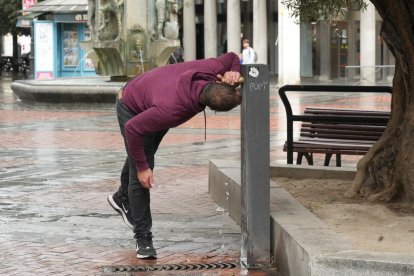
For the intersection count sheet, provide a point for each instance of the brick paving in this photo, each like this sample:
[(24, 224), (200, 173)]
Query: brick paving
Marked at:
[(58, 164)]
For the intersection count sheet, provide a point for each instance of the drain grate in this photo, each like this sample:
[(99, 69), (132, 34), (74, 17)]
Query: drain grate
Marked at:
[(167, 267)]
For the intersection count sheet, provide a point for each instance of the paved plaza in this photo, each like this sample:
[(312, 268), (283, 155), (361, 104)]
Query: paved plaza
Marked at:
[(59, 162)]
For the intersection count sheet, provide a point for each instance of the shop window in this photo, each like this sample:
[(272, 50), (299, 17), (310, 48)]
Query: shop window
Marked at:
[(70, 46)]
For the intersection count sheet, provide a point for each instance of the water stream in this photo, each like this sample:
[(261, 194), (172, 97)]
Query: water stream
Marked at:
[(84, 56), (142, 62)]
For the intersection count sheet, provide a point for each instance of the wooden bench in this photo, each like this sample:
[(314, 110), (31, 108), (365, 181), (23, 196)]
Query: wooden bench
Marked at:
[(333, 131), (350, 138)]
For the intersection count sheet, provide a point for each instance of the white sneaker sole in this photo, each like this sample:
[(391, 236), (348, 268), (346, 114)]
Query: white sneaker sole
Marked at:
[(119, 211), (146, 256)]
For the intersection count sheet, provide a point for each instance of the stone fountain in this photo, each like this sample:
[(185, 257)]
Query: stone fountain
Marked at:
[(131, 37)]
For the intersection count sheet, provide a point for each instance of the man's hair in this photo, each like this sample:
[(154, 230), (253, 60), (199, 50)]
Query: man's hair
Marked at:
[(221, 96), (246, 41)]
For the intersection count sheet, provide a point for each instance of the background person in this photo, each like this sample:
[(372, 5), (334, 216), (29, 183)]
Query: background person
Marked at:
[(248, 54)]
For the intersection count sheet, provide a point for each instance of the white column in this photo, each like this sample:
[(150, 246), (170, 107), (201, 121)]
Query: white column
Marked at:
[(260, 30), (323, 43), (368, 44), (210, 28), (233, 26), (289, 47), (189, 31)]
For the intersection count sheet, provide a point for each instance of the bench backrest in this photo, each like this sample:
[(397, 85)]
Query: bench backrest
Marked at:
[(345, 130)]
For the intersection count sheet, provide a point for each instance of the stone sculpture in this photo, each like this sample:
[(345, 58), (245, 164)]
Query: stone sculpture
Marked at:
[(171, 28), (130, 37), (110, 14), (91, 15)]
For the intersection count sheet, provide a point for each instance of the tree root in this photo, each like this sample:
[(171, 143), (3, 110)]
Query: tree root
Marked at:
[(363, 175), (385, 195)]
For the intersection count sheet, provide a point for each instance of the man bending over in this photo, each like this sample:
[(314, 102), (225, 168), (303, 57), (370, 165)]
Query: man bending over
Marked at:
[(149, 105)]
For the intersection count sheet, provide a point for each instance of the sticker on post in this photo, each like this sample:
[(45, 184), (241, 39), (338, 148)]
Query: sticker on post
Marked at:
[(253, 72)]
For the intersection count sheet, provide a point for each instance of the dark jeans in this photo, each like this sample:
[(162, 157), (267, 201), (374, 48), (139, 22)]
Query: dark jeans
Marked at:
[(130, 189)]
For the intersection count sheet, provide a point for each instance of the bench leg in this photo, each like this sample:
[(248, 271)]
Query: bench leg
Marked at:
[(328, 157), (309, 158), (338, 160)]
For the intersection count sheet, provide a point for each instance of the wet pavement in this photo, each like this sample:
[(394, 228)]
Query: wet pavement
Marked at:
[(59, 162)]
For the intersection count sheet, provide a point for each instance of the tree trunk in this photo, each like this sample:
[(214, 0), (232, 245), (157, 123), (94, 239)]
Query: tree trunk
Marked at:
[(386, 172)]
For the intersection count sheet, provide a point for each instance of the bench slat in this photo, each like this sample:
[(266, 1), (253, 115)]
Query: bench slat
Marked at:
[(339, 136), (346, 126), (328, 140), (354, 112), (349, 131), (331, 145)]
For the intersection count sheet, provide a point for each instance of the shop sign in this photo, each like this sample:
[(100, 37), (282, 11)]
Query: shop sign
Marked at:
[(26, 4), (44, 49), (81, 17), (70, 17)]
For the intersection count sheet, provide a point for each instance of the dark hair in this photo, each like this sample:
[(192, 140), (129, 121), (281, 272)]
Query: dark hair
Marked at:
[(220, 96)]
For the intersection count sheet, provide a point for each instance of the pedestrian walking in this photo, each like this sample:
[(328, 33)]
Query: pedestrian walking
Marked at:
[(147, 107), (249, 56)]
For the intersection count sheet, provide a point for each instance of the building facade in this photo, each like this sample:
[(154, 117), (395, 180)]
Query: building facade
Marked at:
[(348, 49), (59, 27)]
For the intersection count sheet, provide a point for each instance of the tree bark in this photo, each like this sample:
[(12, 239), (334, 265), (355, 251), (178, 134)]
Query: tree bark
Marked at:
[(386, 172)]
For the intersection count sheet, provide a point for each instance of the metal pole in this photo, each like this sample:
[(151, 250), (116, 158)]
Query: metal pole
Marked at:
[(255, 166), (31, 54)]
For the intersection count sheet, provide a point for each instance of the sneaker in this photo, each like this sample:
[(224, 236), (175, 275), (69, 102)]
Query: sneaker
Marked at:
[(122, 209), (145, 248)]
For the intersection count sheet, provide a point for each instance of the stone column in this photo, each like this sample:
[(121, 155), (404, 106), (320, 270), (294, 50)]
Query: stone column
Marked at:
[(189, 31), (210, 28), (352, 50), (272, 31), (260, 30), (368, 45), (289, 47), (324, 48), (233, 26)]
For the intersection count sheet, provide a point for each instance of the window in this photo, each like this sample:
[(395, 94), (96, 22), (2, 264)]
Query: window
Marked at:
[(70, 46)]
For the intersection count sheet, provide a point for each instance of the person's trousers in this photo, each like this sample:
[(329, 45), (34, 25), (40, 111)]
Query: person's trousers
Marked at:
[(130, 189)]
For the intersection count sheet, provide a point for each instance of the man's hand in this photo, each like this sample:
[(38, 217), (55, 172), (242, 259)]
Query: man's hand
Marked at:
[(230, 77), (146, 178)]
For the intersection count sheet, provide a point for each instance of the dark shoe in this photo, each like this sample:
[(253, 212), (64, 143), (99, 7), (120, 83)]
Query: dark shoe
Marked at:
[(145, 248), (122, 209)]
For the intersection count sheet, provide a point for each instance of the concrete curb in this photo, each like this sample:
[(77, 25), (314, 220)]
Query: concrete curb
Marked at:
[(303, 244)]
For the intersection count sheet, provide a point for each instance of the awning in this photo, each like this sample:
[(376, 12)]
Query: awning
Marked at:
[(60, 6), (61, 11), (25, 21)]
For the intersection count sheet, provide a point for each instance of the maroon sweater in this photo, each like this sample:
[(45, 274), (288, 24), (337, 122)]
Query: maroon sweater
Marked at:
[(168, 96)]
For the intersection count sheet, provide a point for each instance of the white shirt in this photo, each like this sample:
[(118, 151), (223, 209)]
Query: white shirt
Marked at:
[(248, 55)]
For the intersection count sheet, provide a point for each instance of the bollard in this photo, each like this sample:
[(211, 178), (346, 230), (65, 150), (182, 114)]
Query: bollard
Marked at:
[(255, 166)]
